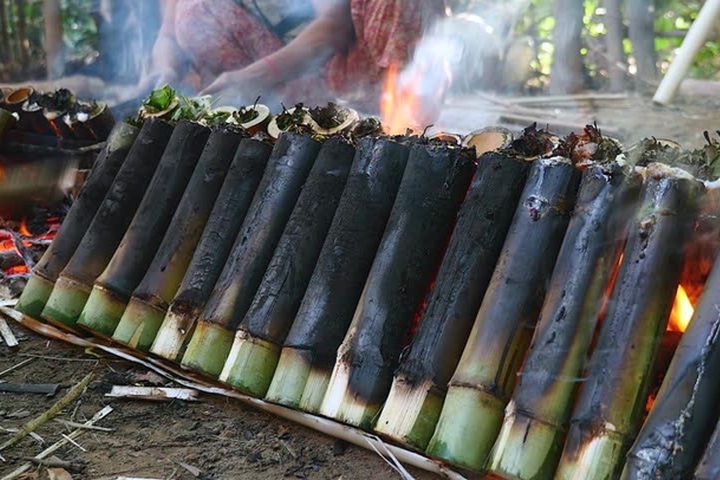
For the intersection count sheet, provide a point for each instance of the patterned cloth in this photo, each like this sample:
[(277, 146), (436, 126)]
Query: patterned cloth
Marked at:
[(221, 35)]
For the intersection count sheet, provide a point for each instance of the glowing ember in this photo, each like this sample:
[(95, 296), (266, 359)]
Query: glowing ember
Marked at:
[(682, 311), (23, 229)]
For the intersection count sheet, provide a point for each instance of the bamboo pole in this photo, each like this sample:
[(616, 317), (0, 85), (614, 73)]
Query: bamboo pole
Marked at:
[(706, 20)]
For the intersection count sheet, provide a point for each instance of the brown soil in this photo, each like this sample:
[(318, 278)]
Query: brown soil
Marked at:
[(221, 437)]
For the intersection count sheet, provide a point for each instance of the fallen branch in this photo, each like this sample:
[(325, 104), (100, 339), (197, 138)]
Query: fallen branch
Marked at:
[(83, 426), (7, 334), (154, 393), (16, 366), (30, 426), (57, 445)]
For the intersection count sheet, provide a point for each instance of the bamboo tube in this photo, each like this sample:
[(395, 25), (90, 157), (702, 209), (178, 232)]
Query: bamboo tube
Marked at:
[(434, 185), (530, 441), (418, 389), (148, 305), (108, 225), (613, 396), (274, 200), (213, 249), (709, 467), (684, 413), (7, 121), (256, 348), (308, 355), (46, 271), (113, 287), (483, 381), (15, 99)]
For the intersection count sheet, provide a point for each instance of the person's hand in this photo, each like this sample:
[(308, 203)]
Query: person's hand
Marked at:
[(235, 87)]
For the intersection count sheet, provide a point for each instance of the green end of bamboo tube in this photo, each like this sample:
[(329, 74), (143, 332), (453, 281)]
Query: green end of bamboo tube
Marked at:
[(66, 302), (291, 374), (467, 428), (411, 413), (102, 312), (208, 349), (7, 121), (251, 364), (599, 458), (315, 388), (526, 448), (35, 296), (172, 336), (139, 324)]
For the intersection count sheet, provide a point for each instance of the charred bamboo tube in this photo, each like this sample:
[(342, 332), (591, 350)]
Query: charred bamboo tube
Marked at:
[(309, 351), (46, 271), (413, 405), (213, 249), (288, 167), (709, 467), (483, 381), (530, 441), (137, 249), (684, 413), (95, 124), (147, 307), (108, 226), (613, 396), (32, 118), (434, 185), (256, 348), (15, 99)]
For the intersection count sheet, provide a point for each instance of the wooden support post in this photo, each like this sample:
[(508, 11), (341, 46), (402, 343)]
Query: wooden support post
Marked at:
[(53, 38), (694, 40)]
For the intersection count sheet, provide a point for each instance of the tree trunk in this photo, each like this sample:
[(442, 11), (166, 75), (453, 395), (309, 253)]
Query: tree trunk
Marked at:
[(614, 45), (568, 70), (53, 38), (4, 41), (641, 14), (21, 33)]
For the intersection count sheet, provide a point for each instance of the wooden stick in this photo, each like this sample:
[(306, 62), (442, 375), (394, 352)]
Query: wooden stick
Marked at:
[(154, 393), (694, 40), (68, 423), (30, 426), (7, 334), (57, 445), (14, 367)]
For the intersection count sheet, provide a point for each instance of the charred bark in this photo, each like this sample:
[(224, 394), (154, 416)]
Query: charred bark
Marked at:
[(215, 244)]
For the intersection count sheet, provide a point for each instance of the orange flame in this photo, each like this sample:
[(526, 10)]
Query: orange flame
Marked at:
[(398, 107), (682, 311), (23, 228)]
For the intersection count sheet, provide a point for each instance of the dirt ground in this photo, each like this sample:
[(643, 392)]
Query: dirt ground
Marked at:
[(221, 437)]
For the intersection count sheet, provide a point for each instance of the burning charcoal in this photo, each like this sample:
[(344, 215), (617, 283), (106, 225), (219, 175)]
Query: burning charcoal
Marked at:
[(485, 375), (274, 200), (148, 305), (122, 275), (612, 398), (108, 225), (334, 289), (416, 397), (530, 441), (77, 220), (215, 244), (255, 351), (434, 185)]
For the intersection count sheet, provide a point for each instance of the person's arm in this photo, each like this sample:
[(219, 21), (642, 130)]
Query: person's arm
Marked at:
[(331, 32), (166, 61)]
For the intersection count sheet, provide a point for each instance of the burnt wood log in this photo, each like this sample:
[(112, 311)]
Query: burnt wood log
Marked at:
[(287, 169), (150, 300), (334, 289), (256, 348), (137, 249), (207, 262), (46, 271), (434, 185), (108, 225)]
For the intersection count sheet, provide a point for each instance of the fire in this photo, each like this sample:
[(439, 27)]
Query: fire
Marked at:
[(23, 228), (399, 107), (682, 311)]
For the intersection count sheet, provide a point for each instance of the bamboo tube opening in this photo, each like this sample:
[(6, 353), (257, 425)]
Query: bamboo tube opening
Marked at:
[(19, 95)]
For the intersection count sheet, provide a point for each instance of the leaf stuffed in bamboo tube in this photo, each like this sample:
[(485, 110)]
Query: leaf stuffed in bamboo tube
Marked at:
[(287, 169), (324, 315), (530, 441), (150, 300), (413, 405), (77, 221), (256, 348), (213, 249), (434, 184), (613, 396), (684, 413), (133, 256), (108, 225), (485, 376)]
